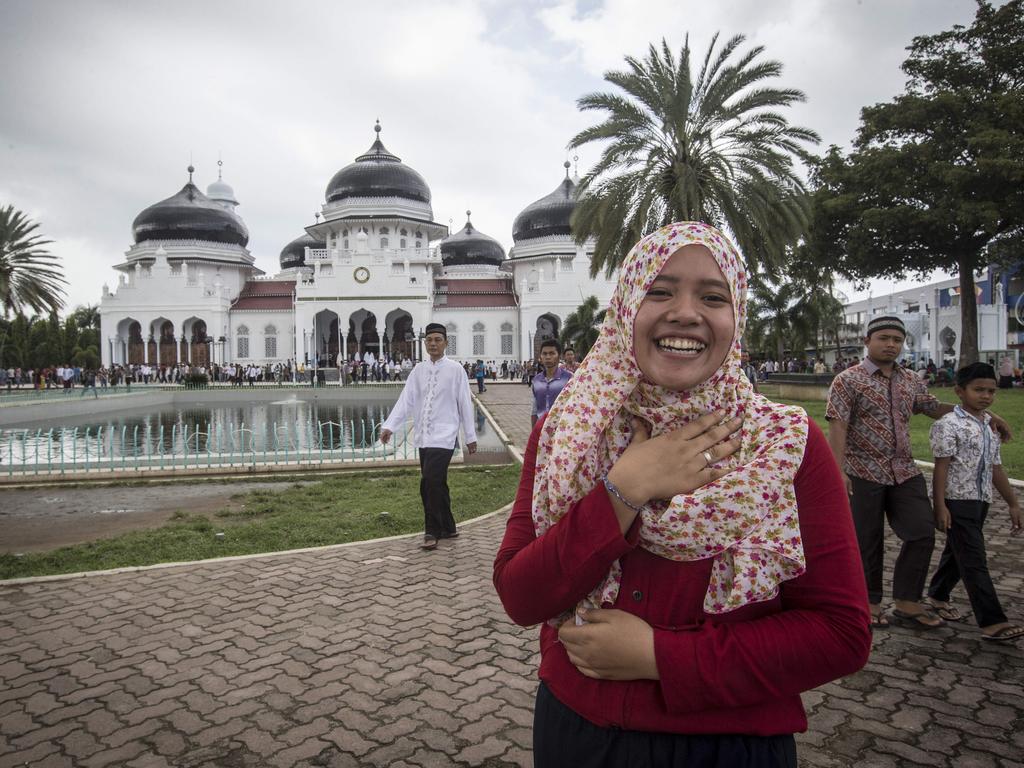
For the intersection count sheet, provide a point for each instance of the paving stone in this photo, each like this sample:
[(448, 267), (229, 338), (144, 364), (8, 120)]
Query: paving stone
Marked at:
[(488, 748)]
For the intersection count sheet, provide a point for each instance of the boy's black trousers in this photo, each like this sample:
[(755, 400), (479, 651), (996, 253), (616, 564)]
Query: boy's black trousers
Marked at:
[(964, 558)]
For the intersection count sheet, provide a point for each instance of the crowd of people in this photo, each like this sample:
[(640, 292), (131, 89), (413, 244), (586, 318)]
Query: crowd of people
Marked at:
[(352, 371), (1010, 374)]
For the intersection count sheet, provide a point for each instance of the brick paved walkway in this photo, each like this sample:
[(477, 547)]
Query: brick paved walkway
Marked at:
[(381, 655)]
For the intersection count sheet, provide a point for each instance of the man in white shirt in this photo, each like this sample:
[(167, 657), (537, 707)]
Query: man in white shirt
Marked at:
[(436, 396)]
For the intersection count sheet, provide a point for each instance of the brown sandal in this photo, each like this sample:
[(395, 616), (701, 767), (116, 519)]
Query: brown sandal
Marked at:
[(917, 620), (1004, 635)]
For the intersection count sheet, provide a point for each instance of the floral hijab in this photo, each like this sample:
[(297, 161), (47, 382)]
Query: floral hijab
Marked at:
[(747, 520)]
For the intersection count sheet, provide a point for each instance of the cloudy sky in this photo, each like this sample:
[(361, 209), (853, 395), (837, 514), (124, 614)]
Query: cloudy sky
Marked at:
[(105, 102)]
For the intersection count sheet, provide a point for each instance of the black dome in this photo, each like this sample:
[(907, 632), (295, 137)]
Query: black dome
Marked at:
[(378, 173), (189, 215), (294, 254), (468, 246), (548, 216)]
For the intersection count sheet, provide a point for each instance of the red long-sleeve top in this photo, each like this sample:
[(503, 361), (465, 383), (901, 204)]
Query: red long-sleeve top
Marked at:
[(739, 672)]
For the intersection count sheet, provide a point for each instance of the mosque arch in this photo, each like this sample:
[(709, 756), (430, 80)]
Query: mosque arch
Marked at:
[(399, 336), (129, 334), (195, 342), (163, 347), (326, 339), (364, 330)]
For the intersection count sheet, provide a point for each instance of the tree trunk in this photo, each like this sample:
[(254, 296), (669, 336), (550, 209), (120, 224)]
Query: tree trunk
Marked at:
[(968, 315)]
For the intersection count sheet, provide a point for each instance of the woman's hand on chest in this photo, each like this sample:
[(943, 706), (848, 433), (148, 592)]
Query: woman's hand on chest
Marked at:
[(611, 645), (675, 462)]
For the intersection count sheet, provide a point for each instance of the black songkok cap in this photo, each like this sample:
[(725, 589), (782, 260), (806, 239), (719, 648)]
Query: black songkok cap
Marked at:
[(886, 324), (436, 328)]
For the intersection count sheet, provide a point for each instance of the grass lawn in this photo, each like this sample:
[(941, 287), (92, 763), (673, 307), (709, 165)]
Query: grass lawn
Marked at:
[(1009, 404), (339, 509)]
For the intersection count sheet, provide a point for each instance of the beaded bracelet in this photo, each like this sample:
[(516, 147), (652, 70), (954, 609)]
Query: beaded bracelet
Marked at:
[(614, 491)]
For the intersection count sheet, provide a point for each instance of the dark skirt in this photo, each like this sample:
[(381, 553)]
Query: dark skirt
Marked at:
[(563, 738)]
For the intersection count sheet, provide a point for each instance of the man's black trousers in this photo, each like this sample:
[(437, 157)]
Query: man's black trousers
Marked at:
[(909, 512), (437, 503)]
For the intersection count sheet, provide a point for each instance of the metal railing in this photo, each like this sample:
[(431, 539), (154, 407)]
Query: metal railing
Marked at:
[(72, 450)]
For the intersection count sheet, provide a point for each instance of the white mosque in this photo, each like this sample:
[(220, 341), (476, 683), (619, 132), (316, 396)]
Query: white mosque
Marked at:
[(367, 277)]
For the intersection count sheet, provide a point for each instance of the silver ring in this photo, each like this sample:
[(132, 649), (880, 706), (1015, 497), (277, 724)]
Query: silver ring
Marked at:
[(709, 458)]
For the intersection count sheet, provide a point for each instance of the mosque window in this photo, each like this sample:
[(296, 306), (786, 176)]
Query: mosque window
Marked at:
[(243, 341), (478, 338), (385, 231), (344, 233), (383, 242), (404, 232), (344, 243), (419, 235), (419, 244), (401, 243), (452, 341), (506, 338), (270, 342)]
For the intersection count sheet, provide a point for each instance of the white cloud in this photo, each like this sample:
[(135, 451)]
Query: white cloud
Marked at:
[(105, 101)]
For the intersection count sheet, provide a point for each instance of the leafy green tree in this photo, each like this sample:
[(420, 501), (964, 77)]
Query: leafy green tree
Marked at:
[(15, 346), (30, 276), (935, 177), (716, 148), (86, 316), (580, 329)]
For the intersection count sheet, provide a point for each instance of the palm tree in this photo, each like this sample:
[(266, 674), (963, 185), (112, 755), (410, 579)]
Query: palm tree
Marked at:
[(716, 149), (770, 317), (582, 327), (30, 276)]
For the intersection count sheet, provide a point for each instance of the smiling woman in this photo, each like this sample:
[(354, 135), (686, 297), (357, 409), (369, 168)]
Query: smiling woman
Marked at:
[(686, 543)]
